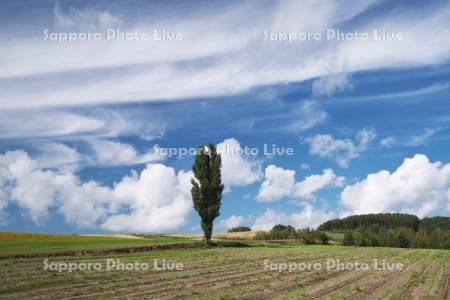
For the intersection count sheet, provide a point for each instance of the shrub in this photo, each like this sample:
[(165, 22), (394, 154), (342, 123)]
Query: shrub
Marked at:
[(322, 237), (282, 232), (262, 235), (240, 229), (308, 239)]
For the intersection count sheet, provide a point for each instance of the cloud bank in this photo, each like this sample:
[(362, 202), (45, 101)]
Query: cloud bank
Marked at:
[(417, 186), (157, 199), (214, 58)]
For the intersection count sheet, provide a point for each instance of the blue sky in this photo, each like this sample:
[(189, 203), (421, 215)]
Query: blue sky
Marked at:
[(85, 125)]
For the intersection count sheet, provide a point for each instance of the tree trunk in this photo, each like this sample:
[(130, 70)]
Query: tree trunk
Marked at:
[(207, 230)]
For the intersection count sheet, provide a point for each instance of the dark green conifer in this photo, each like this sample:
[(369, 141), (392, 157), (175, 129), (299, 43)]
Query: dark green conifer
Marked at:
[(207, 188)]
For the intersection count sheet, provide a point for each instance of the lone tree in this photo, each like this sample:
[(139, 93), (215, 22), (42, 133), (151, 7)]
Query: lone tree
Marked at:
[(207, 188)]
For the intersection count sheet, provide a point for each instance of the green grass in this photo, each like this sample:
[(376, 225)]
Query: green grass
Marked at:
[(27, 243)]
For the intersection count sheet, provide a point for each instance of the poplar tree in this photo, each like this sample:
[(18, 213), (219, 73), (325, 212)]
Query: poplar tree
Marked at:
[(207, 188)]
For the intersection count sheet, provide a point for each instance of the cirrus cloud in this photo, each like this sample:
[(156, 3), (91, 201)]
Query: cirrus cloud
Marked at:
[(218, 60)]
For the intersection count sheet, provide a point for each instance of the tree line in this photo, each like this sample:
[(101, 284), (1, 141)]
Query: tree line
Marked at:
[(240, 229), (283, 232), (386, 220), (392, 230), (376, 236), (433, 223)]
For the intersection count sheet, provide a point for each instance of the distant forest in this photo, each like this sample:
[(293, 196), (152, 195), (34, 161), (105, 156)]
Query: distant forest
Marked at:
[(392, 230), (387, 221)]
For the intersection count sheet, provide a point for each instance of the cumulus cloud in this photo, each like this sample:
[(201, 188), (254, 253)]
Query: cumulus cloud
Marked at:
[(279, 183), (308, 217), (417, 186), (313, 183), (231, 222), (342, 150), (237, 169), (330, 84), (157, 199), (32, 188)]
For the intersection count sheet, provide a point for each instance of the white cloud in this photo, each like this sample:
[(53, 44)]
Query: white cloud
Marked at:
[(66, 124), (84, 20), (388, 142), (414, 140), (313, 183), (101, 152), (342, 150), (448, 202), (58, 155), (33, 189), (236, 59), (420, 139), (308, 217), (107, 152), (29, 123), (404, 95), (4, 196), (237, 169), (330, 84), (308, 115), (158, 199), (304, 166), (279, 183), (417, 186), (364, 137), (231, 222)]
